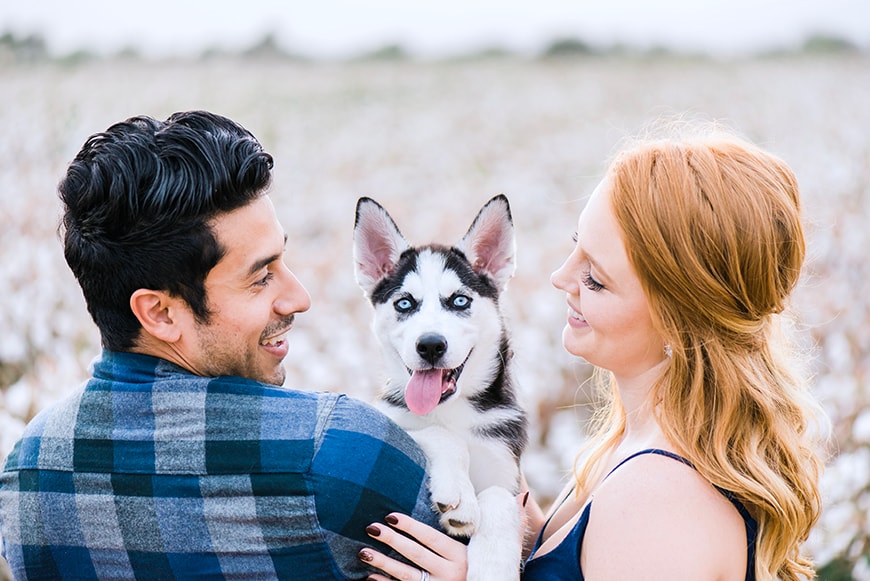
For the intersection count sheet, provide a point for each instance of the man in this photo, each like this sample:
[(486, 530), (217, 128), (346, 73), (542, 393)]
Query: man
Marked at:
[(181, 457)]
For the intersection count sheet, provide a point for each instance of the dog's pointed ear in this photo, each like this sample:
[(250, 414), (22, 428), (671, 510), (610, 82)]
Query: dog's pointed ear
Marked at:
[(490, 244), (377, 244)]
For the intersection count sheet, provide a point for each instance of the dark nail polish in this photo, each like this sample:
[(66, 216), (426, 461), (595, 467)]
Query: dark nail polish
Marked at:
[(372, 530), (525, 498), (365, 555), (391, 520)]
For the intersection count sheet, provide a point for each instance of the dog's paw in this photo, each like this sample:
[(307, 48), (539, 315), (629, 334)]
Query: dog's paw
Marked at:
[(462, 518), (453, 496), (495, 551), (457, 503)]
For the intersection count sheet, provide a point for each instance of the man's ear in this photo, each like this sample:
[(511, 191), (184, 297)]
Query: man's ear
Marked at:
[(159, 313)]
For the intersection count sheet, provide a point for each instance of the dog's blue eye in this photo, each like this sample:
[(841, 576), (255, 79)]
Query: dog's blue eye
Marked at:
[(404, 305), (461, 302)]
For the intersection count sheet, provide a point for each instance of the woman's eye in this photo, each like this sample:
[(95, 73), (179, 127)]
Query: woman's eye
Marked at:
[(404, 305), (591, 283), (460, 302)]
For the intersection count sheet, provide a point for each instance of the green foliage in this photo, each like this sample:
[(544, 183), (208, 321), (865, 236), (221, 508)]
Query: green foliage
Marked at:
[(388, 52), (568, 47), (839, 569), (828, 44), (28, 49), (268, 47)]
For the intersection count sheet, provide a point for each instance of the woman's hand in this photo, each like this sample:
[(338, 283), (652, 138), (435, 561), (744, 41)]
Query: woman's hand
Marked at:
[(437, 556)]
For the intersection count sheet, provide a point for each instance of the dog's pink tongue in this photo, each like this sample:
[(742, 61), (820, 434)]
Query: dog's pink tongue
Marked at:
[(423, 391)]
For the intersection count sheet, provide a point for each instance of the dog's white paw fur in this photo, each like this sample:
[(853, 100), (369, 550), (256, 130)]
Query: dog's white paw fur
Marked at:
[(460, 518), (450, 486), (494, 551)]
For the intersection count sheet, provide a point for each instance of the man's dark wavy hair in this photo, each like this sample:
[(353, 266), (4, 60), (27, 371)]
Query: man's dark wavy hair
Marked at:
[(138, 199)]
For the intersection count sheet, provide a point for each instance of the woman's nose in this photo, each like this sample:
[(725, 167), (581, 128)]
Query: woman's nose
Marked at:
[(559, 278)]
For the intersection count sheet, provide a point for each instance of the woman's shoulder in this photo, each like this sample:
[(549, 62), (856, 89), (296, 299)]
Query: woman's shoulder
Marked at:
[(658, 481), (661, 519)]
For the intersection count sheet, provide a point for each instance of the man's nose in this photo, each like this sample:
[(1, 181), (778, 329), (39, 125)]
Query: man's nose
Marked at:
[(294, 298)]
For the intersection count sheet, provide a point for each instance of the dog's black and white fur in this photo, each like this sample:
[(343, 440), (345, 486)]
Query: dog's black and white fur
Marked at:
[(448, 363)]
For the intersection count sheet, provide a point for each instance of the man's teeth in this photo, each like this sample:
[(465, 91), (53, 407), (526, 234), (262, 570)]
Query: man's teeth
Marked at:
[(274, 340)]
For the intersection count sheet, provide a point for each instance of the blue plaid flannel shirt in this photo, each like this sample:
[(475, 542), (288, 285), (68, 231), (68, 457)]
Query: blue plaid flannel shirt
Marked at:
[(151, 472)]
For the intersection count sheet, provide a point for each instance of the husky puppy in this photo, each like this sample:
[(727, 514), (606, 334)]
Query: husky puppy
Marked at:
[(449, 380)]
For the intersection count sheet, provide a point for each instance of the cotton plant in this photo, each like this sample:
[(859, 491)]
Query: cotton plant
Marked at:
[(433, 141)]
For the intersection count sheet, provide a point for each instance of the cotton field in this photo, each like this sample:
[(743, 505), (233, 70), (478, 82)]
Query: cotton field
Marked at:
[(432, 142)]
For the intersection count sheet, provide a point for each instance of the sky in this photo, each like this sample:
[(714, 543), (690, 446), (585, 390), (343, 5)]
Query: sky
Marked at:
[(338, 28)]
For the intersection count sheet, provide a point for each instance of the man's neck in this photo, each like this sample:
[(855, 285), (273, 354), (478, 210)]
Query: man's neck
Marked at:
[(148, 345)]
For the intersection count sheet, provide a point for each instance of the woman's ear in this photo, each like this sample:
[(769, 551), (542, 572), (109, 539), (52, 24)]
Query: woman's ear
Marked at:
[(158, 313)]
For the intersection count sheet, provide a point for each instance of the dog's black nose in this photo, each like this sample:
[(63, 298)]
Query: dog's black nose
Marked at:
[(431, 347)]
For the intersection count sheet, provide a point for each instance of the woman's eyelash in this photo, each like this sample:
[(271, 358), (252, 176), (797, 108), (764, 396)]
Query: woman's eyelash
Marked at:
[(591, 283)]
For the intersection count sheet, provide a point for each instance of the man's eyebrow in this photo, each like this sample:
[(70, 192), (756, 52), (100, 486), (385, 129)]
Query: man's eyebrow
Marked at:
[(264, 262)]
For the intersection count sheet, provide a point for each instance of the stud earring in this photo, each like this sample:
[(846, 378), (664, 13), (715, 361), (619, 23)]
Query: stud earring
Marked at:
[(668, 351)]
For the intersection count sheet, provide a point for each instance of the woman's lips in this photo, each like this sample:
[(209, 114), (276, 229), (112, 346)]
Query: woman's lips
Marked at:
[(575, 319)]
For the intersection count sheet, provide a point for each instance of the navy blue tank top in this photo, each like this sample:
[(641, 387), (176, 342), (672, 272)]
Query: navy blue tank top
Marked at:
[(563, 562)]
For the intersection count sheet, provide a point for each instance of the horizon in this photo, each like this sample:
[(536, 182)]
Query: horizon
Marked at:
[(342, 28)]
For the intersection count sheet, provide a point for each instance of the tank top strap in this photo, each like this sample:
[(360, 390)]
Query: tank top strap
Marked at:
[(658, 451)]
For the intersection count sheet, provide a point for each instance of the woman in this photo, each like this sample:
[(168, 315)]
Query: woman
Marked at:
[(704, 463)]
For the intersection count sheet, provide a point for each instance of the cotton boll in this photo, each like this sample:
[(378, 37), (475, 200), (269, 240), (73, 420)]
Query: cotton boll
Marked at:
[(13, 346), (10, 430), (861, 428), (19, 398), (861, 572)]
